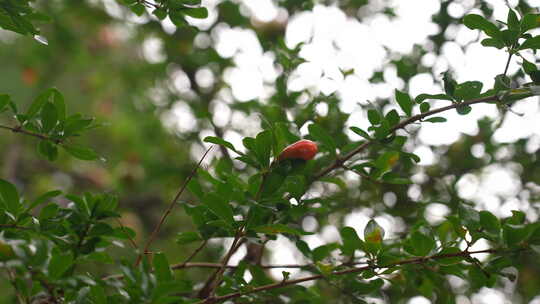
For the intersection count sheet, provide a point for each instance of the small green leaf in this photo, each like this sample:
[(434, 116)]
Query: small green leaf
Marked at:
[(436, 119), (4, 101), (196, 12), (137, 8), (421, 243), (220, 207), (59, 264), (81, 152), (322, 136), (474, 21), (220, 141), (58, 100), (160, 13), (38, 103), (48, 149), (361, 132), (279, 229), (351, 241), (405, 102), (492, 42), (183, 238), (161, 268), (490, 222), (512, 20), (464, 110), (9, 197), (392, 117), (420, 98), (49, 117), (514, 234), (529, 22), (468, 90), (373, 116), (531, 43), (424, 107)]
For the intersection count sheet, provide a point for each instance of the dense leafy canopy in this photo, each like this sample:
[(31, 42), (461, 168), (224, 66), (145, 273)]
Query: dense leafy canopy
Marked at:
[(109, 193)]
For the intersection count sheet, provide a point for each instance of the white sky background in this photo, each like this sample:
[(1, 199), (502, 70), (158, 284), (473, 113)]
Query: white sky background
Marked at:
[(335, 42)]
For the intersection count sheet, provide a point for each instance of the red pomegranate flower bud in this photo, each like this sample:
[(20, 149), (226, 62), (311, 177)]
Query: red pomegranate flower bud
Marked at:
[(302, 149)]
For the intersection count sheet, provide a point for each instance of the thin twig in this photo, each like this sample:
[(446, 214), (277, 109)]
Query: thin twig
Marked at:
[(338, 163), (29, 133), (131, 241), (169, 209), (215, 279), (280, 284), (507, 63), (192, 255)]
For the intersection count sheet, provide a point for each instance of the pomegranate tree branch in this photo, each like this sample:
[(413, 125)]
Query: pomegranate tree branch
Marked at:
[(416, 260), (340, 160), (170, 208)]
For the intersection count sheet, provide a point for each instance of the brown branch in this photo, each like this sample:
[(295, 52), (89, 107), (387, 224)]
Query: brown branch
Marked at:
[(169, 209), (191, 256), (19, 129), (280, 284), (342, 159), (215, 279)]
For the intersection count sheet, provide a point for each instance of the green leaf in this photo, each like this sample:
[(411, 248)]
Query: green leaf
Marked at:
[(420, 98), (183, 238), (196, 12), (449, 83), (492, 42), (392, 117), (351, 241), (222, 142), (531, 43), (468, 90), (60, 105), (421, 243), (280, 229), (393, 178), (9, 197), (529, 22), (38, 103), (48, 149), (464, 110), (49, 117), (424, 107), (4, 101), (528, 67), (514, 234), (263, 147), (436, 119), (361, 132), (478, 22), (160, 13), (161, 268), (320, 135), (220, 207), (405, 102), (59, 264), (512, 20), (137, 8), (43, 198), (490, 222), (373, 116), (81, 152), (75, 124)]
